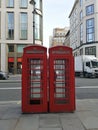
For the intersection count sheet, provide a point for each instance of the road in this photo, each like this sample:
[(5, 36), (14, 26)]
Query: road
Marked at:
[(85, 88), (79, 82), (10, 91)]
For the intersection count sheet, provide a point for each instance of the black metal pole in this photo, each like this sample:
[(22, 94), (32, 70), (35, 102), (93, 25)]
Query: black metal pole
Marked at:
[(34, 25), (33, 12)]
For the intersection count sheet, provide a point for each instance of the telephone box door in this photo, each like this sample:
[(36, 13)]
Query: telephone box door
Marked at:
[(34, 79), (61, 72)]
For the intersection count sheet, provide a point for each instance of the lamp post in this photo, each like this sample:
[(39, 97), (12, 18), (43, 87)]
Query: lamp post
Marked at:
[(33, 12), (37, 12)]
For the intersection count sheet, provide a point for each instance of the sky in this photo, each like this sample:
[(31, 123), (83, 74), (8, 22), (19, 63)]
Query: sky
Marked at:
[(55, 14)]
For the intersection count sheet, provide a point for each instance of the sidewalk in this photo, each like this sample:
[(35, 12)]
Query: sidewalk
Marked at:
[(15, 77), (84, 118), (12, 79)]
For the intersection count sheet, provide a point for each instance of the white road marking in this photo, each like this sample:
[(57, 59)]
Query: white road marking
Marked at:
[(7, 102), (88, 87), (10, 88), (13, 88)]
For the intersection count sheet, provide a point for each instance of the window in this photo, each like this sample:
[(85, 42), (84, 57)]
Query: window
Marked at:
[(81, 15), (94, 64), (81, 33), (0, 3), (20, 48), (24, 3), (38, 26), (38, 4), (23, 26), (90, 30), (57, 34), (10, 48), (81, 2), (81, 51), (89, 9), (0, 24), (90, 50), (10, 3), (88, 64), (10, 25)]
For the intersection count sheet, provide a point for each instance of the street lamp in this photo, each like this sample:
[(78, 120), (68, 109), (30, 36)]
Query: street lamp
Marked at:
[(35, 11), (32, 2)]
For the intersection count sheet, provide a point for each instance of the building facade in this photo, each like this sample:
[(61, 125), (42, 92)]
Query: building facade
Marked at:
[(16, 32), (67, 39), (58, 37), (84, 27)]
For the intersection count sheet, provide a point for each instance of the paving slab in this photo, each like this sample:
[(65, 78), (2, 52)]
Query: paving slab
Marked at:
[(28, 122), (87, 105), (87, 111), (7, 124), (68, 115), (89, 119), (12, 112), (50, 129), (3, 110), (49, 121), (71, 123)]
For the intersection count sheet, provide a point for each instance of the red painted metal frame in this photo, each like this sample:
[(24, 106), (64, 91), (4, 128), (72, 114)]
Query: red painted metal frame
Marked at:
[(34, 52), (61, 53)]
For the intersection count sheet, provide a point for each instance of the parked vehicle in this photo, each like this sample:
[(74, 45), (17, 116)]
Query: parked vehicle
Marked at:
[(86, 65), (3, 75)]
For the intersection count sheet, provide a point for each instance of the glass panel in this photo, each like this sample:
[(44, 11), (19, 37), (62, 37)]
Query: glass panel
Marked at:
[(90, 50), (19, 67), (81, 2), (23, 26), (10, 3), (38, 27), (81, 33), (81, 15), (0, 25), (35, 80), (61, 79), (89, 9), (11, 67), (10, 25), (24, 3), (90, 30), (38, 4), (20, 48), (10, 48)]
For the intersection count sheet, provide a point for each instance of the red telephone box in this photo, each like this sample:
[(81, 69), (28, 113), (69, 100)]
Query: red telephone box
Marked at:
[(34, 79), (61, 82)]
